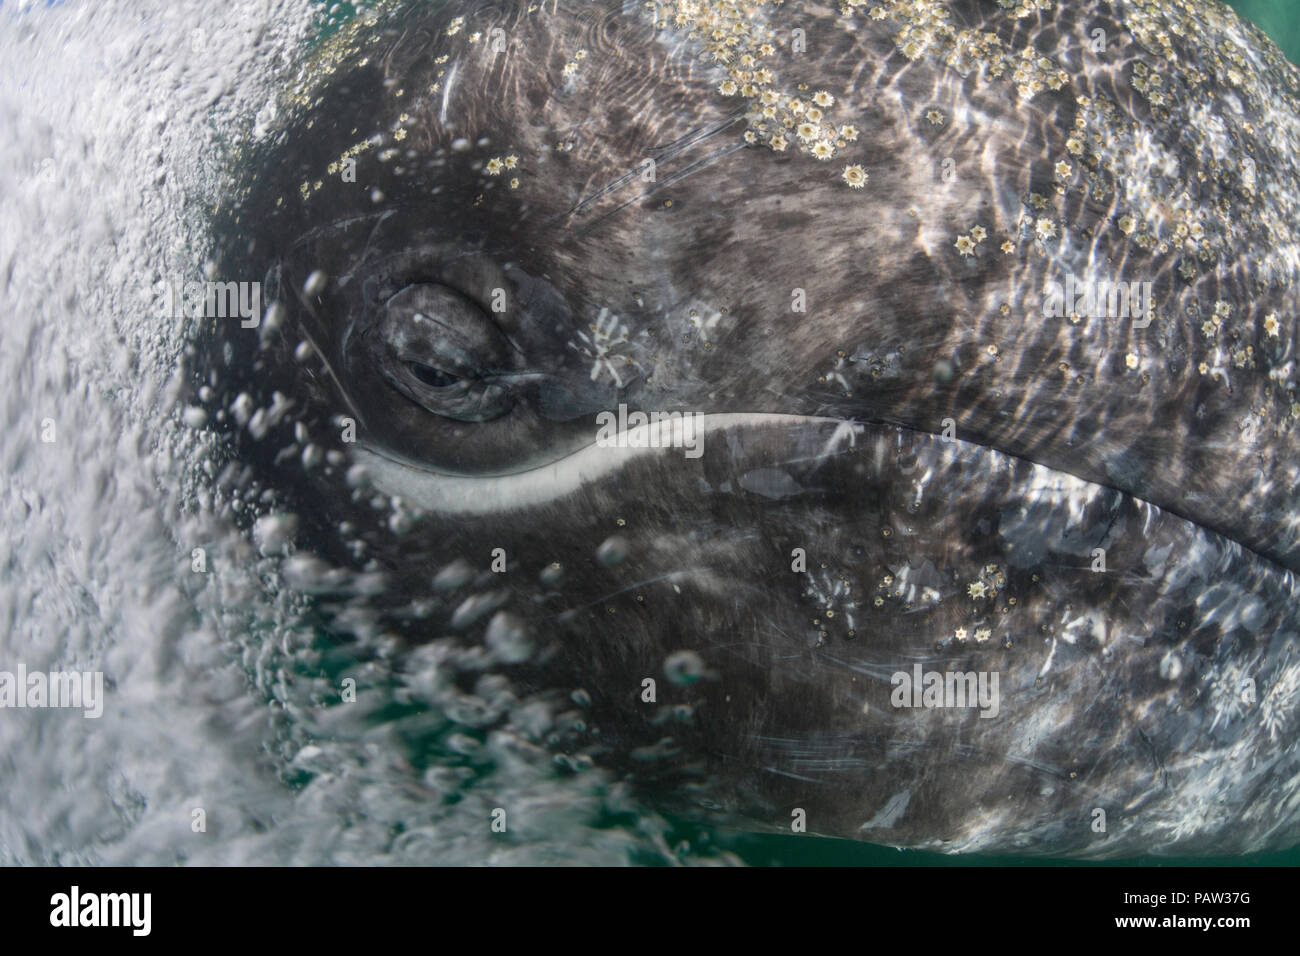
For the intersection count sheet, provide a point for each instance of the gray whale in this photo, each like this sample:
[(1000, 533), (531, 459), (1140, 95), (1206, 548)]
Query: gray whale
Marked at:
[(838, 241)]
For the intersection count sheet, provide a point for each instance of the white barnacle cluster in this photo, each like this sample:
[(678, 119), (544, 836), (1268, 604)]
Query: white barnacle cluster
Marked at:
[(602, 343), (987, 583), (570, 68), (967, 242), (501, 164), (1025, 8), (735, 34), (979, 634), (923, 27), (832, 592), (781, 120), (915, 587)]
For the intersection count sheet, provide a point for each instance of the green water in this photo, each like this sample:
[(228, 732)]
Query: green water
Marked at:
[(1280, 19), (792, 850)]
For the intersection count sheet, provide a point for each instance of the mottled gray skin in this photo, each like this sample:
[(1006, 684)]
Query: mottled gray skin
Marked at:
[(1120, 690)]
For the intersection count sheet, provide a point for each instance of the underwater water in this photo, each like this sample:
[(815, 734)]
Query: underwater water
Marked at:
[(220, 682), (116, 119)]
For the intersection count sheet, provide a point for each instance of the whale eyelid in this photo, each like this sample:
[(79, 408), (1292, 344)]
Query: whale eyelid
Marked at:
[(434, 319)]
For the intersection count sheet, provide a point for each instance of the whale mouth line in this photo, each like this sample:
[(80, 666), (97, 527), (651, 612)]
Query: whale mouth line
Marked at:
[(458, 493)]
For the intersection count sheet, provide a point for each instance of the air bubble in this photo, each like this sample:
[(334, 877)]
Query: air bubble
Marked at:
[(507, 637), (315, 283), (612, 552), (454, 576), (684, 667), (274, 533)]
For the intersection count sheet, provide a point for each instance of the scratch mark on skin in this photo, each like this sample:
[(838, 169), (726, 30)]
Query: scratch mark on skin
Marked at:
[(884, 674), (670, 576), (893, 811), (678, 146), (655, 187), (333, 375), (449, 81), (1041, 767), (791, 774), (338, 225)]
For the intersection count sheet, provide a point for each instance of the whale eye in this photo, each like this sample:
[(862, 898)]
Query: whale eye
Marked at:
[(440, 350), (433, 377)]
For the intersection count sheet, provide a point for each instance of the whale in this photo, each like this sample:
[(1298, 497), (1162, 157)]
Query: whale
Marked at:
[(873, 420)]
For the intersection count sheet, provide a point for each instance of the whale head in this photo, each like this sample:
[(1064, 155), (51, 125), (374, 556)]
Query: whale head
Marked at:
[(886, 419)]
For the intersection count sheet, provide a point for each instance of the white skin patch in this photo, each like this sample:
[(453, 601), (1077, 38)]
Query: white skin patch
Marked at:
[(454, 494)]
